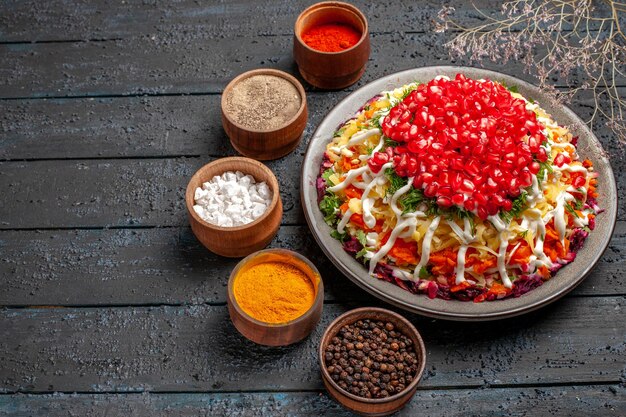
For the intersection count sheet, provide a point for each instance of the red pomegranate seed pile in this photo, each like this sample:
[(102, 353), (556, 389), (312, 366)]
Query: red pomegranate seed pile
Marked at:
[(466, 143)]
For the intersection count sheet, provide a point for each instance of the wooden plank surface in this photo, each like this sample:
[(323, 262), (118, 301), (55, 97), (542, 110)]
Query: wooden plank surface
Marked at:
[(31, 20), (162, 126), (124, 192), (116, 192), (158, 126), (141, 266), (607, 400), (169, 266), (161, 64), (196, 348), (93, 220)]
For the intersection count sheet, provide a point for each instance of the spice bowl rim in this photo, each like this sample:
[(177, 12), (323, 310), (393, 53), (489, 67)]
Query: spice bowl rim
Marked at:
[(317, 301), (414, 335), (264, 71), (337, 5), (272, 184)]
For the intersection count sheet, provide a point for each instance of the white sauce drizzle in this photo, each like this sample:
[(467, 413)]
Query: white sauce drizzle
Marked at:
[(466, 237), (537, 227), (504, 243), (428, 237), (352, 174), (359, 137), (406, 223), (377, 148), (559, 214), (571, 168), (368, 202), (344, 220)]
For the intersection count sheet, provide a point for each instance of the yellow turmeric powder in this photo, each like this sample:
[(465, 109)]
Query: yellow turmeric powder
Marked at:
[(274, 292)]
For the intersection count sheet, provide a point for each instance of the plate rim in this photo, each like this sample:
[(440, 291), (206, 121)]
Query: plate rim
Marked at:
[(434, 312)]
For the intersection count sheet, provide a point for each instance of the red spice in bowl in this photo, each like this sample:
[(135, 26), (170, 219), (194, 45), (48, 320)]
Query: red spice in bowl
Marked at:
[(331, 37)]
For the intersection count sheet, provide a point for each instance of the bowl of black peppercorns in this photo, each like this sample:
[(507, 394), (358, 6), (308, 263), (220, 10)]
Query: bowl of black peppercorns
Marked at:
[(372, 360)]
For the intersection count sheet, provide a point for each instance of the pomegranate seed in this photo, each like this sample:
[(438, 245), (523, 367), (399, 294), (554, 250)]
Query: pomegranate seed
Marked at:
[(534, 167), (579, 181), (482, 212), (542, 156), (526, 178), (445, 191), (533, 144), (467, 185), (507, 205), (480, 198), (458, 199), (559, 160), (444, 201), (491, 184), (466, 136), (431, 189)]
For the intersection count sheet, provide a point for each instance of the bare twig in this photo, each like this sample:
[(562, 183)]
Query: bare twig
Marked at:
[(581, 44)]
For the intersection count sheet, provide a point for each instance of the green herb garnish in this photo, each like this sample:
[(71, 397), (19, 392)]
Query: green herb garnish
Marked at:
[(424, 273), (339, 132), (571, 210), (413, 198), (342, 237), (329, 207), (395, 181), (519, 205), (544, 168), (579, 204), (361, 253), (326, 177), (389, 143), (360, 236)]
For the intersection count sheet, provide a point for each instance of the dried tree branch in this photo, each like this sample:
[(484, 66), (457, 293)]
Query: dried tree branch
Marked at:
[(580, 42)]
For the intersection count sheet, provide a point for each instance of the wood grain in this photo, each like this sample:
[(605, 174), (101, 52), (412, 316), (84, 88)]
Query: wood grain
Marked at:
[(169, 266), (606, 400), (27, 21), (167, 64), (121, 159), (117, 192), (143, 266), (159, 127), (195, 348), (125, 192)]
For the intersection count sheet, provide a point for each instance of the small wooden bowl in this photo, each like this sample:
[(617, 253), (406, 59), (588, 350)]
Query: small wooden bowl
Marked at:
[(331, 70), (265, 144), (373, 406), (242, 240), (282, 334)]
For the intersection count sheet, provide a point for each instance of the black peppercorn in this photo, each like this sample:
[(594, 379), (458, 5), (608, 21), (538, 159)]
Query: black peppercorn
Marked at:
[(371, 359)]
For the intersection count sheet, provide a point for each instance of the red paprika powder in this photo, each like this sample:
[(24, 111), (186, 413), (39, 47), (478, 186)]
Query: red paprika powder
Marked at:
[(331, 37)]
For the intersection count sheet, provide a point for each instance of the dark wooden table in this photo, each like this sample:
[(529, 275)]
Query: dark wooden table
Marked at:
[(110, 305)]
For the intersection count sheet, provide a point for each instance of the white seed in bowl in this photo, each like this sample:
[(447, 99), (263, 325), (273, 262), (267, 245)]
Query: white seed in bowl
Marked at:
[(232, 199)]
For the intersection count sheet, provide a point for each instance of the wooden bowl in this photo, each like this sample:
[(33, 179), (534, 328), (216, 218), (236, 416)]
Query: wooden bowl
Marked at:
[(331, 70), (265, 144), (242, 240), (284, 333), (373, 406)]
